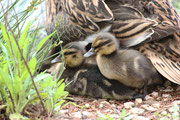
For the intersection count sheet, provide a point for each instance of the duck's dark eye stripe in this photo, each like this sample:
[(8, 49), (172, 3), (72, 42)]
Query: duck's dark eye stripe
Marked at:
[(70, 53), (102, 44)]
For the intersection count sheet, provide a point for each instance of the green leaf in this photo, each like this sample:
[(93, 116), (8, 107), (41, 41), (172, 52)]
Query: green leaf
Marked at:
[(23, 36), (59, 92), (59, 104), (5, 36), (4, 78), (25, 46), (35, 98), (123, 113), (14, 49), (47, 83), (41, 76), (59, 83), (175, 108), (32, 66), (17, 116), (2, 106), (43, 41)]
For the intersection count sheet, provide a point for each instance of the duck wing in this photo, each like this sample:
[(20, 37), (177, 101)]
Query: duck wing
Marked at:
[(165, 57), (87, 13), (132, 28), (166, 16)]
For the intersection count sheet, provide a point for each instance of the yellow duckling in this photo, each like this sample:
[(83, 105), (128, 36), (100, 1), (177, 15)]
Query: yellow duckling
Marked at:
[(85, 76), (73, 54), (127, 66)]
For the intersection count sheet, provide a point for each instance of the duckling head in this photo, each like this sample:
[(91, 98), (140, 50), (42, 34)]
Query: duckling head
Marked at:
[(104, 44), (73, 56)]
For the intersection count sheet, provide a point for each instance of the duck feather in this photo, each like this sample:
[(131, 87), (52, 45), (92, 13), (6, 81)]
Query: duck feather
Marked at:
[(86, 13)]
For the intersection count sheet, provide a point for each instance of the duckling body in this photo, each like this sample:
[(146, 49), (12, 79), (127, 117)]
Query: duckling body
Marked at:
[(127, 66), (85, 78)]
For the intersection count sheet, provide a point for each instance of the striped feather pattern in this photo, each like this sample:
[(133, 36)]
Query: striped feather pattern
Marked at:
[(153, 25), (85, 13)]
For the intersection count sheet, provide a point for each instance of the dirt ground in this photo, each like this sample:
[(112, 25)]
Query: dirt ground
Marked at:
[(158, 105)]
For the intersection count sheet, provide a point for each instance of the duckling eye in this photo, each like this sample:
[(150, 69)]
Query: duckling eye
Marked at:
[(74, 56), (109, 45), (69, 53)]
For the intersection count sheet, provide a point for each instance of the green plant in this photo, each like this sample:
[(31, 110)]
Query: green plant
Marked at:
[(21, 56), (16, 72), (175, 114)]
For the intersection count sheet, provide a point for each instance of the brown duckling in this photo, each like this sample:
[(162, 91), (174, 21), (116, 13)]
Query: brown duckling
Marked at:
[(85, 77), (127, 66)]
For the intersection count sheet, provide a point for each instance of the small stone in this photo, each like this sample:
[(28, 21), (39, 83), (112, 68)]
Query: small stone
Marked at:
[(176, 102), (114, 116), (77, 114), (164, 112), (158, 98), (148, 97), (167, 83), (101, 100), (139, 118), (108, 111), (166, 95), (165, 99), (113, 105), (155, 94), (163, 118), (63, 111), (149, 102), (138, 101), (86, 113), (149, 108), (170, 109), (137, 110), (87, 105), (128, 105), (156, 105), (101, 106), (111, 101)]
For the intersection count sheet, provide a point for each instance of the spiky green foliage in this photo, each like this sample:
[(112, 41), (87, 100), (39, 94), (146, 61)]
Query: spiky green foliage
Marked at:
[(21, 55)]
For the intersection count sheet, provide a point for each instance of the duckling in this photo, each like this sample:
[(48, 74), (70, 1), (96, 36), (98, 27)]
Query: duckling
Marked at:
[(153, 25), (86, 78), (127, 66)]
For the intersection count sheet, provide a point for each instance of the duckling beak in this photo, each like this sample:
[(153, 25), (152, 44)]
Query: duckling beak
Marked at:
[(57, 59), (89, 53)]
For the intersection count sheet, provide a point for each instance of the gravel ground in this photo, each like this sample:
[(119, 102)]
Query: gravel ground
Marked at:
[(157, 105)]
